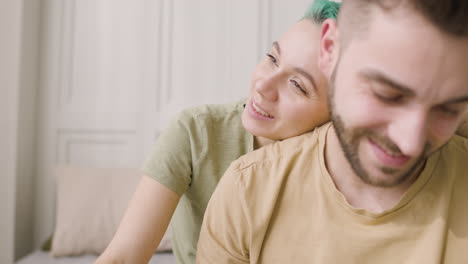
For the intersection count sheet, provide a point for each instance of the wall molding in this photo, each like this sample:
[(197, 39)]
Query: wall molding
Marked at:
[(166, 28), (264, 26), (68, 138), (81, 142), (65, 84)]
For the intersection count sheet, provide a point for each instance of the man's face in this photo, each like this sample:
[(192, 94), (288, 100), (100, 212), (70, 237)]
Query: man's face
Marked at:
[(397, 94)]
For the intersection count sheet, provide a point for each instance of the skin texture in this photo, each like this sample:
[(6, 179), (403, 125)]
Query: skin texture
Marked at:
[(406, 102), (276, 88)]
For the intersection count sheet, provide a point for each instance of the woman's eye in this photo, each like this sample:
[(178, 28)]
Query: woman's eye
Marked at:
[(298, 86), (272, 58)]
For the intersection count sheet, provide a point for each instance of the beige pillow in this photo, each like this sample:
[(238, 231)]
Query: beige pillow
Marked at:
[(90, 205)]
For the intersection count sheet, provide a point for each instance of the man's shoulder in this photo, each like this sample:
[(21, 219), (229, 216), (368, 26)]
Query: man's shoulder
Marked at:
[(274, 162), (279, 151), (453, 161), (457, 147)]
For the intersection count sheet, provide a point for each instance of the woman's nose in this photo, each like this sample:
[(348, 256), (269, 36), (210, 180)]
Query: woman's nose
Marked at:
[(267, 87)]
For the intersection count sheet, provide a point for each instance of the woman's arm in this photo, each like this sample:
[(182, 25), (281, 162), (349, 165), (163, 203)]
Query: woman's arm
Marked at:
[(143, 224)]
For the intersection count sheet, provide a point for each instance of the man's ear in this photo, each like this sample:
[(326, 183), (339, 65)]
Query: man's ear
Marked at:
[(329, 47)]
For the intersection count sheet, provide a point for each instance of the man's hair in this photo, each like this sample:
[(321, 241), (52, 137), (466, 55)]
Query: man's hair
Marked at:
[(320, 10), (449, 16)]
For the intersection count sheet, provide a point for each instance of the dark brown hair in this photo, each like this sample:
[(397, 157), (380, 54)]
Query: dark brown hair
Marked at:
[(449, 16)]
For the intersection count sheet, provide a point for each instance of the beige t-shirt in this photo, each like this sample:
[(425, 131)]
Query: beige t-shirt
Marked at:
[(189, 158), (279, 205)]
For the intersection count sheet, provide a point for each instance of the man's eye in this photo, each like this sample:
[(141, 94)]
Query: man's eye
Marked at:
[(389, 99), (448, 111), (298, 86), (272, 58)]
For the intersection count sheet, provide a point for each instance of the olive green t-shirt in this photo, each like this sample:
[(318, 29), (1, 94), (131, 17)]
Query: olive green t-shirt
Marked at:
[(190, 157), (279, 204)]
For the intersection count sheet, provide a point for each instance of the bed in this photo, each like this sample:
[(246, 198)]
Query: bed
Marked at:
[(90, 203), (42, 257)]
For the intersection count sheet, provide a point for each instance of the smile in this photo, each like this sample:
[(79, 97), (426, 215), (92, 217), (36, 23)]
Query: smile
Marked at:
[(259, 112), (388, 157)]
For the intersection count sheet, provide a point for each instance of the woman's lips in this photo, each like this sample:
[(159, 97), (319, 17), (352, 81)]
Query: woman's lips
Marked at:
[(387, 157), (258, 113)]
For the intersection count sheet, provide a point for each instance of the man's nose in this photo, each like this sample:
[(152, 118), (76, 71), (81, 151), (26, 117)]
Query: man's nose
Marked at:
[(410, 133)]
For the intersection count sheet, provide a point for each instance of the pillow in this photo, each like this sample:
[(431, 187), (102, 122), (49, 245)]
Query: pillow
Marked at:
[(90, 204)]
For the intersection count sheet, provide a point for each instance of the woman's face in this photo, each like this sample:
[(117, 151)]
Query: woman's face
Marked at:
[(288, 94)]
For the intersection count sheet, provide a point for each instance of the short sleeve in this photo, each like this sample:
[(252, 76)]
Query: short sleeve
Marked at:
[(170, 161), (225, 233)]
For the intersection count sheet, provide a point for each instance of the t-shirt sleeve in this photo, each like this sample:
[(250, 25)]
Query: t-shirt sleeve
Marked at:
[(225, 233), (170, 161)]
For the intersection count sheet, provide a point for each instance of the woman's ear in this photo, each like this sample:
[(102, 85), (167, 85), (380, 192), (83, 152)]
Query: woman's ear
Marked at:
[(329, 47)]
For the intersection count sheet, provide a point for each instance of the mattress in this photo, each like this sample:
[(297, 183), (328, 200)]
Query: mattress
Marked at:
[(41, 257)]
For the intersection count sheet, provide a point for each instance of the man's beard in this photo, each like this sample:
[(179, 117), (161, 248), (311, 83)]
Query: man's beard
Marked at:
[(349, 141)]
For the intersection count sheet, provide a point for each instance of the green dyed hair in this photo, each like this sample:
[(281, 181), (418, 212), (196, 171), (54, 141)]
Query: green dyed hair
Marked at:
[(320, 10)]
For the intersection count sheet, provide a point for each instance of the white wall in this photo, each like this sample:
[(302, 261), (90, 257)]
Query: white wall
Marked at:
[(10, 26), (19, 29), (26, 133), (7, 168)]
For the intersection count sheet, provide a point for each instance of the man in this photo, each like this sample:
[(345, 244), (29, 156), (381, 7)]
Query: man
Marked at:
[(387, 181)]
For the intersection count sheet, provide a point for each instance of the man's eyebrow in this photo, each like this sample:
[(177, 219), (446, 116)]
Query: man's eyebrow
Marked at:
[(277, 47), (378, 76), (458, 100)]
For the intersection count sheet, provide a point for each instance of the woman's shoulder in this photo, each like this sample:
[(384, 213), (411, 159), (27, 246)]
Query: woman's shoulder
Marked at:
[(214, 110), (207, 114)]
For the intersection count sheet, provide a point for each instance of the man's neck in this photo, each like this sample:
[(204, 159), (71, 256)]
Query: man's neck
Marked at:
[(358, 193)]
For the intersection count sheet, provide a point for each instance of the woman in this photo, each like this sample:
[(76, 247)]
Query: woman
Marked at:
[(288, 97)]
